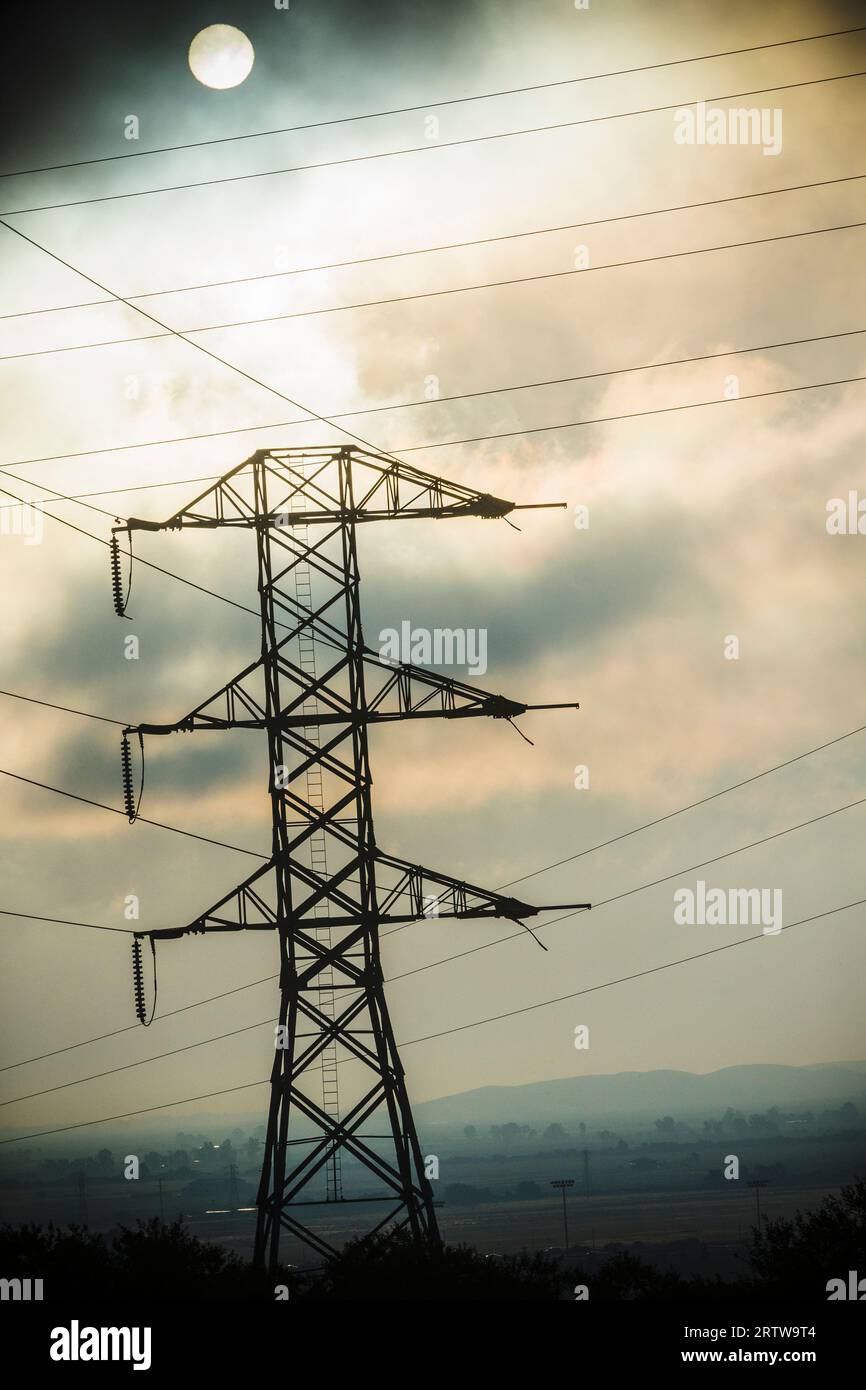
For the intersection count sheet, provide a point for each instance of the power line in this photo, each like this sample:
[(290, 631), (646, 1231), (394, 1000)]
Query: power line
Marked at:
[(534, 873), (490, 1020), (437, 294), (432, 965), (473, 439), (63, 922), (231, 366), (169, 574), (85, 714), (260, 1023), (753, 844), (631, 415), (459, 1028), (735, 786), (445, 246), (106, 291), (127, 1066), (629, 892), (104, 492), (669, 965), (159, 443), (284, 424), (212, 593), (663, 410), (659, 820), (133, 1027), (322, 419), (425, 148), (103, 806), (407, 405), (84, 1124), (448, 101), (256, 381), (788, 762)]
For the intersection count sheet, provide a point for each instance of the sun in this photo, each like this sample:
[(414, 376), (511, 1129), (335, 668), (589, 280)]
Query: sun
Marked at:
[(221, 56)]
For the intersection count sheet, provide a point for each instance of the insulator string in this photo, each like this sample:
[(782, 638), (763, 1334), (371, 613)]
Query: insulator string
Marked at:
[(120, 603), (138, 982), (129, 801)]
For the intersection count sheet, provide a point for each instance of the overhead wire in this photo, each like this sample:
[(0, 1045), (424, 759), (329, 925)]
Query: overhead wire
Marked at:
[(261, 1023), (458, 1028), (432, 965), (427, 147), (444, 101), (175, 333), (54, 494), (444, 246), (433, 294)]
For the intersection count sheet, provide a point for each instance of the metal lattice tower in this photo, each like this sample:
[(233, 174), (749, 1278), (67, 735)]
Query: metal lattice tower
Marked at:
[(327, 888)]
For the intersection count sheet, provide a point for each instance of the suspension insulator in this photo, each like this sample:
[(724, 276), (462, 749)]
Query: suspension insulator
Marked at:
[(138, 981), (126, 775), (116, 577)]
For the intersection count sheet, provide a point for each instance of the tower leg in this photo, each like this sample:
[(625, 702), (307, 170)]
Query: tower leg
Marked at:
[(378, 1131)]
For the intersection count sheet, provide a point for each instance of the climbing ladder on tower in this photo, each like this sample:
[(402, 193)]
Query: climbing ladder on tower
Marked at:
[(318, 859)]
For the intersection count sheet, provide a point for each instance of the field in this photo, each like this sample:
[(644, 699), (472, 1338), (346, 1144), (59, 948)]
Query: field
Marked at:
[(688, 1229)]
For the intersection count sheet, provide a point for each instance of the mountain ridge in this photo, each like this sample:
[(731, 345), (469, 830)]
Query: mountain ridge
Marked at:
[(661, 1091)]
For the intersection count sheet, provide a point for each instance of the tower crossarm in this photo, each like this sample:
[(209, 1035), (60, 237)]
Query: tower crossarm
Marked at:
[(415, 692), (383, 489), (407, 893), (405, 692), (244, 908), (419, 892)]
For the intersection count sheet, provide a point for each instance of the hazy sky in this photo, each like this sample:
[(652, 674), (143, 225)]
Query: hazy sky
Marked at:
[(703, 524)]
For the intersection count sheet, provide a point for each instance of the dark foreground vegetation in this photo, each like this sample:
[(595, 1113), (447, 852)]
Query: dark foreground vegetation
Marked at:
[(786, 1259)]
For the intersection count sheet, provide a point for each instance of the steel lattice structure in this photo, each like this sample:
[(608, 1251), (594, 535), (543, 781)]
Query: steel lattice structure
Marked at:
[(327, 888)]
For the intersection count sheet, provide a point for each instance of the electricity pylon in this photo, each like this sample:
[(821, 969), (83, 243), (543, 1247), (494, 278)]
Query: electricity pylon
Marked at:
[(315, 691)]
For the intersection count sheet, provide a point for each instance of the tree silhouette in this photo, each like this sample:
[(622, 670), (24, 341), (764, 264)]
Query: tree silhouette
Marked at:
[(801, 1255)]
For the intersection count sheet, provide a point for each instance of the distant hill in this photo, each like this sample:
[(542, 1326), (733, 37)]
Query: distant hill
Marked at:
[(652, 1093), (628, 1095)]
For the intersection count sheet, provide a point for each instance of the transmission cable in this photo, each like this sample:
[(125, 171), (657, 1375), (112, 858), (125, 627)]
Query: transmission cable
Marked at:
[(447, 101), (432, 294), (427, 147), (459, 1028)]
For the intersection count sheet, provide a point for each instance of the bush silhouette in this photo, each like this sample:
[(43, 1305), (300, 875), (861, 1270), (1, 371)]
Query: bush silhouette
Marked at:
[(156, 1260), (800, 1256)]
